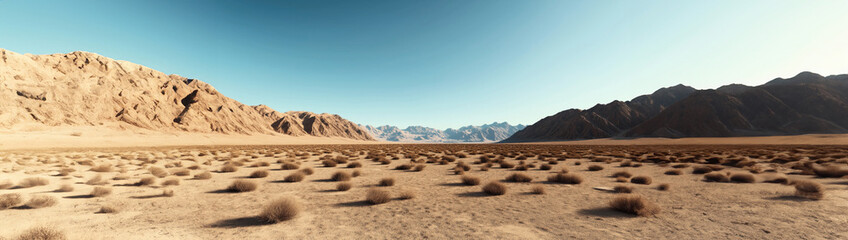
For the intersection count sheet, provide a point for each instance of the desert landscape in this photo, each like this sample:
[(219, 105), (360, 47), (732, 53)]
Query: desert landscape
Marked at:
[(423, 120), (428, 191)]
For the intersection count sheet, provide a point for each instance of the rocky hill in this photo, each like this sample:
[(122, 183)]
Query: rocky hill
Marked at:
[(82, 88), (804, 104)]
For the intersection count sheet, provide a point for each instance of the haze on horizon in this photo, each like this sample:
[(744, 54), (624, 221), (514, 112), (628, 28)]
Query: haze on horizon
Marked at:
[(443, 64)]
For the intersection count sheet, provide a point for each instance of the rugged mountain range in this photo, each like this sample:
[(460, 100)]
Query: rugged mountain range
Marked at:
[(82, 88), (806, 103), (485, 133)]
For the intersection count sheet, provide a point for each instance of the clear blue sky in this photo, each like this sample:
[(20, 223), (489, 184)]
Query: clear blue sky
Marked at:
[(443, 63)]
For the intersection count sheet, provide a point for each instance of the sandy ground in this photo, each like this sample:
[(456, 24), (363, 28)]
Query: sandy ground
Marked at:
[(442, 209)]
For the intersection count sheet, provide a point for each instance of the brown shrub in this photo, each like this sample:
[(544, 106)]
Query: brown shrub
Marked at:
[(229, 168), (344, 186), (743, 178), (378, 196), (341, 176), (505, 164), (308, 171), (295, 177), (259, 174), (356, 173), (241, 186), (624, 174), (625, 163), (42, 233), (167, 193), (622, 189), (385, 182), (203, 175), (519, 177), (41, 201), (537, 189), (406, 194), (470, 180), (634, 204), (100, 191), (419, 167), (329, 163), (681, 165), (171, 182), (595, 167), (567, 178), (673, 172), (10, 200), (289, 166), (158, 172), (108, 209), (403, 167), (182, 172), (701, 169), (809, 189), (545, 166), (641, 180), (65, 188), (664, 187), (831, 171), (495, 188), (145, 181), (716, 177), (354, 165), (620, 179), (279, 210), (97, 180), (34, 181)]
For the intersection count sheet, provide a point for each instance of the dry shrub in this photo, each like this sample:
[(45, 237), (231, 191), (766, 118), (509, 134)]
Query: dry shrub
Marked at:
[(289, 166), (831, 171), (167, 193), (385, 182), (108, 209), (100, 191), (65, 188), (102, 168), (743, 178), (624, 174), (545, 166), (241, 186), (419, 167), (641, 180), (97, 180), (10, 200), (42, 233), (470, 180), (626, 163), (344, 186), (341, 176), (494, 188), (354, 165), (171, 182), (329, 163), (182, 172), (406, 194), (259, 174), (158, 172), (378, 196), (519, 177), (674, 172), (229, 168), (41, 201), (356, 173), (505, 164), (620, 179), (809, 189), (664, 187), (34, 181), (595, 167), (681, 165), (716, 177), (778, 179), (537, 189), (403, 167), (567, 178), (634, 204), (622, 189), (307, 171), (701, 169), (145, 181), (282, 209), (295, 177), (522, 167), (203, 175)]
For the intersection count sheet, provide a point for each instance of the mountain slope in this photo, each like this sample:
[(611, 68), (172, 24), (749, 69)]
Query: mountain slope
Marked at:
[(484, 133), (602, 120), (806, 103), (82, 88)]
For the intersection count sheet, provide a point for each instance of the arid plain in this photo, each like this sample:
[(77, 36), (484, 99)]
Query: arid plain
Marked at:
[(428, 191)]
